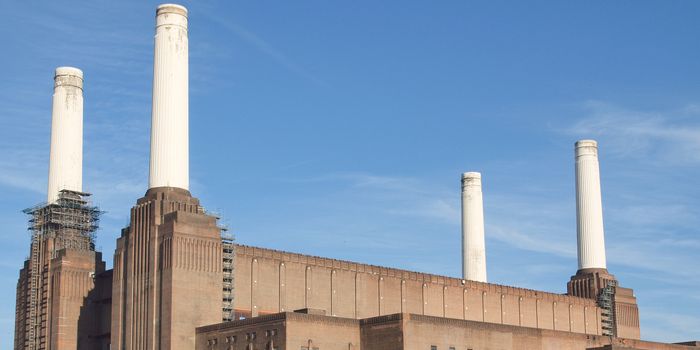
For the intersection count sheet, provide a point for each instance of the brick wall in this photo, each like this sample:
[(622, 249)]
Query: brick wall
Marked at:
[(269, 281)]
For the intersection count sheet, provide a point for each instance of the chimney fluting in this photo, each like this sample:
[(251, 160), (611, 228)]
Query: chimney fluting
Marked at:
[(169, 165), (473, 245), (66, 155), (589, 207)]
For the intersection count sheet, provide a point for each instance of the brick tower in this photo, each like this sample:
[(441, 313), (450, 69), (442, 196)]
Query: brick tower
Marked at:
[(168, 261)]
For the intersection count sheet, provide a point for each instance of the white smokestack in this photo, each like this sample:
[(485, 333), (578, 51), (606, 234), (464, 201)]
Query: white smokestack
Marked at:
[(66, 158), (589, 207), (473, 246), (169, 118)]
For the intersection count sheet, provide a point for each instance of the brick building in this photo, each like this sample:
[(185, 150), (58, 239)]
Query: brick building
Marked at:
[(177, 277)]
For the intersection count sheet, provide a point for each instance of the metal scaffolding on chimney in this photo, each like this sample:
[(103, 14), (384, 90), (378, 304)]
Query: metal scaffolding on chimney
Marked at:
[(69, 223)]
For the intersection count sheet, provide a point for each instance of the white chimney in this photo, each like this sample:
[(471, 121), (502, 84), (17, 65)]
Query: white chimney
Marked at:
[(589, 207), (169, 119), (66, 157), (473, 246)]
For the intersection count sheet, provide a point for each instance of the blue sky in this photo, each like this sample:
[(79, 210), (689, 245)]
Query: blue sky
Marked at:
[(341, 129)]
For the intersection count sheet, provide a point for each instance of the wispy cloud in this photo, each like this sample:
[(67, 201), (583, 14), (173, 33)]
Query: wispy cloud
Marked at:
[(672, 135), (669, 325), (264, 46), (530, 242), (525, 223), (14, 170), (646, 255), (409, 196)]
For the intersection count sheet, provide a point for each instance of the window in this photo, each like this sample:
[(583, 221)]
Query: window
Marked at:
[(452, 348), (433, 347)]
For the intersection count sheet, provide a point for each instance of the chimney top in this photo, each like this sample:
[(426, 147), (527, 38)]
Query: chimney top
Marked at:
[(586, 143), (471, 179), (471, 175), (171, 15), (586, 148), (171, 8), (72, 71), (68, 76)]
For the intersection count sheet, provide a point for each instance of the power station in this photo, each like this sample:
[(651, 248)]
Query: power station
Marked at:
[(179, 282)]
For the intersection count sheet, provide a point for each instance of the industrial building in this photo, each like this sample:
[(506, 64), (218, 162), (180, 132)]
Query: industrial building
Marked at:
[(180, 282)]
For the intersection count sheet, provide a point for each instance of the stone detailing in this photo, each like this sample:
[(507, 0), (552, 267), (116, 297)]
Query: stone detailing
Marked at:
[(269, 281), (191, 254), (588, 283)]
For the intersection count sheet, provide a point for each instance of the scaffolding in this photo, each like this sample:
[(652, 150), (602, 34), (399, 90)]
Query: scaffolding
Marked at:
[(71, 223), (34, 280), (227, 266), (227, 246), (606, 302)]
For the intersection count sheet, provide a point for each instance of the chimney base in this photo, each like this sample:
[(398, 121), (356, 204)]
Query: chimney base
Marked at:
[(619, 311), (587, 283)]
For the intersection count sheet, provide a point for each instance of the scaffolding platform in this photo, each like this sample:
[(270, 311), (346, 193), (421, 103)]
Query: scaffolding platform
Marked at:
[(68, 223)]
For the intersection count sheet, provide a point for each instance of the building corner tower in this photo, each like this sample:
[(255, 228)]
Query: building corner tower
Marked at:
[(57, 307), (620, 315), (473, 242), (168, 261)]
